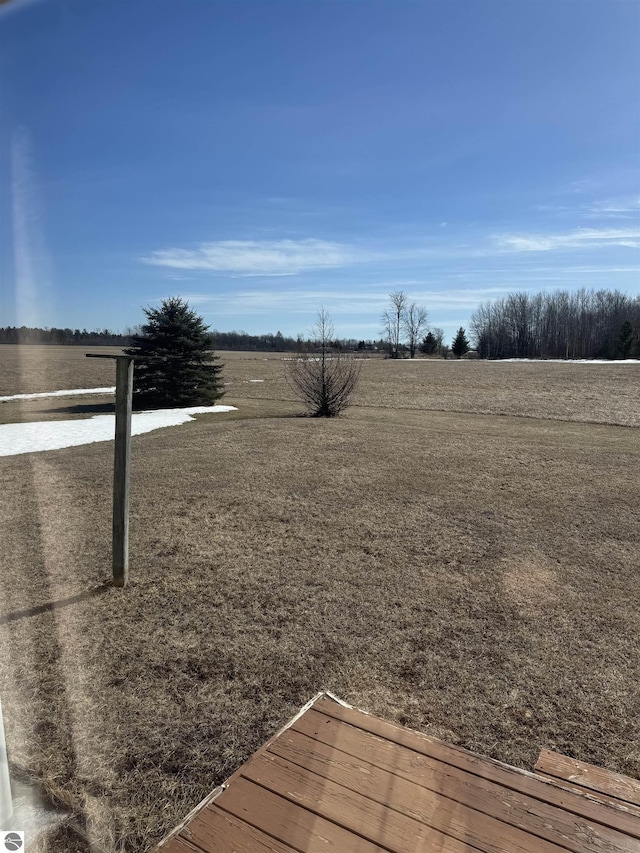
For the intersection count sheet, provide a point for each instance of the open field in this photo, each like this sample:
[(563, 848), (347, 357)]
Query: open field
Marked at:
[(600, 393), (33, 369), (458, 553)]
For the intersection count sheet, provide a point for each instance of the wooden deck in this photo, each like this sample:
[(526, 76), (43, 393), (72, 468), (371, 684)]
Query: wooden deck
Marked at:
[(337, 779)]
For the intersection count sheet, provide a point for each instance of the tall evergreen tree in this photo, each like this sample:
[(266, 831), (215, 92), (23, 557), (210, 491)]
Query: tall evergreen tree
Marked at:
[(460, 343), (429, 344), (174, 364), (626, 340)]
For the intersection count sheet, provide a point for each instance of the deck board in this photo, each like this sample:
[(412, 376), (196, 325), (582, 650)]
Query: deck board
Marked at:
[(181, 845), (274, 815), (215, 829), (337, 779), (512, 778), (410, 783), (378, 822), (620, 805), (395, 814), (589, 776)]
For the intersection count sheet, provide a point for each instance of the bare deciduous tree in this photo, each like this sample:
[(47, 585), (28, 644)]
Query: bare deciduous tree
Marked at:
[(438, 334), (563, 324), (415, 323), (393, 320), (325, 379), (401, 317)]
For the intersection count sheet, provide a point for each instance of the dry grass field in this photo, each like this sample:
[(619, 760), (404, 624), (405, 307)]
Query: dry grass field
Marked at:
[(601, 393), (458, 553)]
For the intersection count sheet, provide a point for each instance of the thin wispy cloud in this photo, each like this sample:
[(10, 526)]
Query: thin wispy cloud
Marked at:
[(260, 257), (288, 257), (582, 185), (578, 239), (357, 302), (611, 208), (449, 271), (622, 208)]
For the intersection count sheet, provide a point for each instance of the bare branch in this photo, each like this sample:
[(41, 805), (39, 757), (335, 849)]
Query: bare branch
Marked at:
[(393, 319), (326, 379), (415, 323)]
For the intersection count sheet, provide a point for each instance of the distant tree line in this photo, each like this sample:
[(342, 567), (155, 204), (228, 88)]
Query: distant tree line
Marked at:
[(216, 340), (30, 335), (245, 342), (563, 324)]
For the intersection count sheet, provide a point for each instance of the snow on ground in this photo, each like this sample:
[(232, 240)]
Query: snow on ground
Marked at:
[(569, 360), (54, 435), (77, 392), (523, 360), (256, 380)]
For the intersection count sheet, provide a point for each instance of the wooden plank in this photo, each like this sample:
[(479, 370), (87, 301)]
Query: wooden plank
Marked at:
[(367, 763), (424, 822), (290, 823), (179, 845), (589, 776), (603, 798), (215, 831), (515, 779), (337, 779), (161, 845), (443, 777)]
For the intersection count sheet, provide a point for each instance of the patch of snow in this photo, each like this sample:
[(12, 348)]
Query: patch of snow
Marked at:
[(77, 392), (54, 435), (256, 380), (569, 360)]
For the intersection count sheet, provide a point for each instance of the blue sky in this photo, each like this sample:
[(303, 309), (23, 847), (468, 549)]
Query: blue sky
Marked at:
[(262, 159)]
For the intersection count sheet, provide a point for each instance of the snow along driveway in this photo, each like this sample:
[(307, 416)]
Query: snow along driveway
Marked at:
[(54, 435), (76, 392)]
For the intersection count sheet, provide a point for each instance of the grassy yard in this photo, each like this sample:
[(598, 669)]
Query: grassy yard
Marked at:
[(458, 553)]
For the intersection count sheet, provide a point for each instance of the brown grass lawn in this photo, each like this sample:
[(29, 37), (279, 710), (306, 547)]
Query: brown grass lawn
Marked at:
[(577, 392), (474, 576)]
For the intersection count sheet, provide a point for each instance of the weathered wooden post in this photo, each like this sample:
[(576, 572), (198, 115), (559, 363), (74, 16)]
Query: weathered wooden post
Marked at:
[(121, 459)]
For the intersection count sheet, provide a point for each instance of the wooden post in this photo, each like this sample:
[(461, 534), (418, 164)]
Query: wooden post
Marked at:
[(121, 458)]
